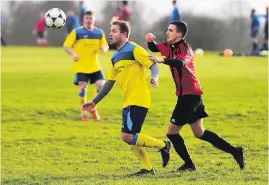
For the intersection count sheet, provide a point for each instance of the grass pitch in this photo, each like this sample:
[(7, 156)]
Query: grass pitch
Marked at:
[(44, 141)]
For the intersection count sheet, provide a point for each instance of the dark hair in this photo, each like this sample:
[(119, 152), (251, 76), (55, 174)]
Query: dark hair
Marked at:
[(125, 2), (174, 2), (89, 12), (181, 27), (124, 26)]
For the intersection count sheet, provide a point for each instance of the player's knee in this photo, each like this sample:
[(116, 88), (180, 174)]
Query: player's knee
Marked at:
[(83, 87), (172, 129), (99, 84), (127, 138), (198, 135)]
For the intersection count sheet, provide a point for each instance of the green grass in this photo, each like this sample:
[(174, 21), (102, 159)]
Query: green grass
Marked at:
[(44, 141)]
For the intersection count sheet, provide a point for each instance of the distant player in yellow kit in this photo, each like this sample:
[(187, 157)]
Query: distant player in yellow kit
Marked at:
[(128, 68), (83, 45)]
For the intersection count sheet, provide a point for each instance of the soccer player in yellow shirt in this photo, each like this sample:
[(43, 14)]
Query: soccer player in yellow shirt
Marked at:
[(128, 67), (83, 45)]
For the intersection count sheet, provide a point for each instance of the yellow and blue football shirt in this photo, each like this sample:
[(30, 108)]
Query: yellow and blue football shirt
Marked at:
[(128, 68), (86, 45)]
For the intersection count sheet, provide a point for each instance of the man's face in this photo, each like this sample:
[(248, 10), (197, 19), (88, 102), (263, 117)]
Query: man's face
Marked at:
[(89, 20), (172, 34), (115, 36)]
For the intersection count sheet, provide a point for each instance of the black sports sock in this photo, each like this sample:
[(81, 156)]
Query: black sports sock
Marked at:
[(218, 142), (180, 147), (255, 47), (265, 46)]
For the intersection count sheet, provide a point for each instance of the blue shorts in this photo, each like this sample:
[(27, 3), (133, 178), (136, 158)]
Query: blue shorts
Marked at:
[(254, 32), (133, 118), (88, 77)]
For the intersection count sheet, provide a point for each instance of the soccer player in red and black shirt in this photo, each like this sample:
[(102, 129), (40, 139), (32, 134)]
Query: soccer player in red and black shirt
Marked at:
[(189, 107)]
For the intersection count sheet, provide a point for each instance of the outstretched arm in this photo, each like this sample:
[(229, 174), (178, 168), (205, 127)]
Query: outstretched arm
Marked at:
[(171, 62), (153, 46), (104, 91), (174, 62)]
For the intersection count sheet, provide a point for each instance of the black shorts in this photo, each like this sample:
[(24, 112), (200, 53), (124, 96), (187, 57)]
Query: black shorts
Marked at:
[(133, 118), (86, 77), (40, 34), (189, 108)]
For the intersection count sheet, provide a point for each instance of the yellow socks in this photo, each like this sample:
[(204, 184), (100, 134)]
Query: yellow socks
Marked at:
[(147, 141), (142, 155)]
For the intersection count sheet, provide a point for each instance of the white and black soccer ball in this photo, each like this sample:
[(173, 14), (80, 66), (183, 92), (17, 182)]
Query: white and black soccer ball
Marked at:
[(55, 18)]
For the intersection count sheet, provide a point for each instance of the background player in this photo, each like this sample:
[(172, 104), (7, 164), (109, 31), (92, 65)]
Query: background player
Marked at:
[(265, 44), (128, 67), (176, 13), (189, 107), (126, 12), (82, 10), (254, 29), (83, 45), (40, 31), (72, 21)]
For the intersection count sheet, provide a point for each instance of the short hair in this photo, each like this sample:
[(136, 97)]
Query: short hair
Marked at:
[(181, 27), (89, 12), (125, 2), (124, 26), (174, 2)]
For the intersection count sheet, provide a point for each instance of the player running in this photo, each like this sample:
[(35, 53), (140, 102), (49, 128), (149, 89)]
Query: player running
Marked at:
[(189, 107), (83, 45), (128, 68)]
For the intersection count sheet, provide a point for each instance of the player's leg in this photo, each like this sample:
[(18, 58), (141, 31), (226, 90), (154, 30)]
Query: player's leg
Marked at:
[(99, 80), (196, 122), (201, 133), (177, 121), (265, 44), (81, 79), (145, 164), (3, 42), (133, 118), (180, 147), (254, 40), (39, 39)]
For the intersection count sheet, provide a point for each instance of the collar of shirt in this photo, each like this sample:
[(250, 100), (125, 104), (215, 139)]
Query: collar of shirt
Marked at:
[(177, 43)]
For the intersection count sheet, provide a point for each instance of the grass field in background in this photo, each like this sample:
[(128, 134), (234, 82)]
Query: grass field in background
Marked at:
[(44, 141)]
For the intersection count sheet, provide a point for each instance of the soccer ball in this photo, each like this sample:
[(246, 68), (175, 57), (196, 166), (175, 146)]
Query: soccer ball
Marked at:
[(199, 52), (55, 18)]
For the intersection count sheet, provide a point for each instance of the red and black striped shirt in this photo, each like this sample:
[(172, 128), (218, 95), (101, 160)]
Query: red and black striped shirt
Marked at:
[(182, 67)]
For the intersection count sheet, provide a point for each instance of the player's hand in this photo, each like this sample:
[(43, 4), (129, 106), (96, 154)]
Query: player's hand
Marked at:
[(88, 106), (75, 57), (156, 59), (154, 82), (150, 37)]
